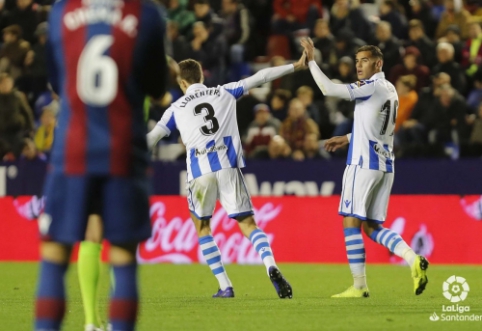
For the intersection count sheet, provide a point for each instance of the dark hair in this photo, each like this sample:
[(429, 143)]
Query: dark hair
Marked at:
[(283, 95), (374, 50), (191, 71)]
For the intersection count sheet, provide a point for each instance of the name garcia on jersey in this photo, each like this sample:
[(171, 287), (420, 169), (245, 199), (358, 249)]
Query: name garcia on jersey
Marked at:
[(102, 11)]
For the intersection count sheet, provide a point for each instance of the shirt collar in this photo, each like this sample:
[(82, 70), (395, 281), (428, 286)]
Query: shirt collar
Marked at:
[(193, 87), (378, 75)]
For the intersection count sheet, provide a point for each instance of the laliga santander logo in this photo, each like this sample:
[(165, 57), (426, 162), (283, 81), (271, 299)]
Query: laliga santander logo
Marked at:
[(176, 240), (456, 289)]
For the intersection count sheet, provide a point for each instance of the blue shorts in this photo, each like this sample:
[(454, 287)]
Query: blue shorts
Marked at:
[(122, 202)]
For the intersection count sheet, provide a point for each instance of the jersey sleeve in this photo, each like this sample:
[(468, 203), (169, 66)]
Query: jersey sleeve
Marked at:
[(361, 90), (236, 89), (162, 129)]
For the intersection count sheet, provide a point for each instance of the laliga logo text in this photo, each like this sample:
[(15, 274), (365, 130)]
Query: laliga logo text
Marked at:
[(176, 240), (455, 289)]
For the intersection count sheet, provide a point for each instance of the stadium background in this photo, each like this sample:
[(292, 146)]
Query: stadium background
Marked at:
[(437, 201)]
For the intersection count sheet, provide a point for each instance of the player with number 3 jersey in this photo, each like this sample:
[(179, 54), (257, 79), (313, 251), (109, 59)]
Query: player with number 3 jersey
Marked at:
[(369, 174), (206, 119)]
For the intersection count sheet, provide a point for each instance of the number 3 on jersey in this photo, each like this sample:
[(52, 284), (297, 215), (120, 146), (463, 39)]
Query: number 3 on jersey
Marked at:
[(213, 126), (97, 73)]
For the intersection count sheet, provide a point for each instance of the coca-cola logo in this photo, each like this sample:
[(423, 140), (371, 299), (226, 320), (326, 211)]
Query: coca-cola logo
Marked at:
[(175, 240)]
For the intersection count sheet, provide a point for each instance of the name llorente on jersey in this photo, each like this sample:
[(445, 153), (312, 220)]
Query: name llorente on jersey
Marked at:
[(198, 94), (211, 149)]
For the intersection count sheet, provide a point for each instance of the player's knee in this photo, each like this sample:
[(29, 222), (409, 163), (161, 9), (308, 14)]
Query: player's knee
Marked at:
[(122, 254), (55, 252), (369, 227)]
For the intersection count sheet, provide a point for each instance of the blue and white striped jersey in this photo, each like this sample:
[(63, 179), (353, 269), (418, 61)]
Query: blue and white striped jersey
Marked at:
[(371, 142), (206, 119)]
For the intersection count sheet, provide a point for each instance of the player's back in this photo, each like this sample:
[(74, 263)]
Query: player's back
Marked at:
[(105, 57), (206, 119), (371, 144)]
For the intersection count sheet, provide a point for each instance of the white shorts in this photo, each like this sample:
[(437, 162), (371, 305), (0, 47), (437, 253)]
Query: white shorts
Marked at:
[(228, 186), (365, 193)]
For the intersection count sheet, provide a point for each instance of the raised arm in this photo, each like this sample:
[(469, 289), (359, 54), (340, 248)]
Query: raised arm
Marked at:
[(237, 89)]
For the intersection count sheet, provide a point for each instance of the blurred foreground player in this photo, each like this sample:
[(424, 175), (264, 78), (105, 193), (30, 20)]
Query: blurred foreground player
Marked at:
[(206, 118), (104, 57), (368, 177)]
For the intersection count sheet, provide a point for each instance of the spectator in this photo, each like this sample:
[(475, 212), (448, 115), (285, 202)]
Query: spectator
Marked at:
[(182, 17), (324, 41), (472, 52), (236, 32), (4, 16), (26, 16), (35, 81), (292, 15), (30, 152), (297, 125), (346, 43), (16, 119), (454, 14), (311, 147), (415, 130), (475, 96), (44, 136), (261, 130), (388, 44), (452, 35), (410, 66), (420, 10), (418, 39), (305, 95), (279, 104), (345, 72), (476, 135), (209, 49), (407, 98), (446, 63), (278, 149), (179, 45), (390, 14), (204, 13), (13, 52), (345, 15)]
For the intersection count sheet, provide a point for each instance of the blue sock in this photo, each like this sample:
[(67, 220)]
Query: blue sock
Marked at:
[(394, 243), (259, 239), (212, 255), (50, 301), (124, 298), (355, 251)]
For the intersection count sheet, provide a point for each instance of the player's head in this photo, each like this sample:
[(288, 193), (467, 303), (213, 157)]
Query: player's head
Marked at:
[(369, 61), (190, 72)]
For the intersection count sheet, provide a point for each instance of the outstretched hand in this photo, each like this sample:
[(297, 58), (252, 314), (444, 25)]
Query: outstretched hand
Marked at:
[(335, 143), (301, 63), (309, 48)]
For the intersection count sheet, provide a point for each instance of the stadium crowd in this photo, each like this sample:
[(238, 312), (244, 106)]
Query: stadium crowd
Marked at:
[(432, 54)]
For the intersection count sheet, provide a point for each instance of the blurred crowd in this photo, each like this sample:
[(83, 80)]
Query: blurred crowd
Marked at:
[(432, 54)]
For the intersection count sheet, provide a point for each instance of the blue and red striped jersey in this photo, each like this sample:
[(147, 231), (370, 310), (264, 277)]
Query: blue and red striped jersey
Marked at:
[(104, 57)]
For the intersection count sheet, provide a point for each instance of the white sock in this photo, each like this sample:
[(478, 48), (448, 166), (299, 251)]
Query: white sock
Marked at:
[(212, 255)]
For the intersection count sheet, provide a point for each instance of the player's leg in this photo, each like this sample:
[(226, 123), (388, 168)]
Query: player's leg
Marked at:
[(61, 225), (89, 265), (356, 193), (212, 255), (125, 215), (390, 239), (50, 299), (202, 196), (235, 199)]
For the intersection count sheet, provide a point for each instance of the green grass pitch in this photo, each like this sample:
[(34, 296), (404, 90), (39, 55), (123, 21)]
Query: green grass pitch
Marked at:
[(177, 297)]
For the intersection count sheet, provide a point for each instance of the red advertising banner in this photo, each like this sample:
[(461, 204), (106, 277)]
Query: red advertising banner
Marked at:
[(446, 229)]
